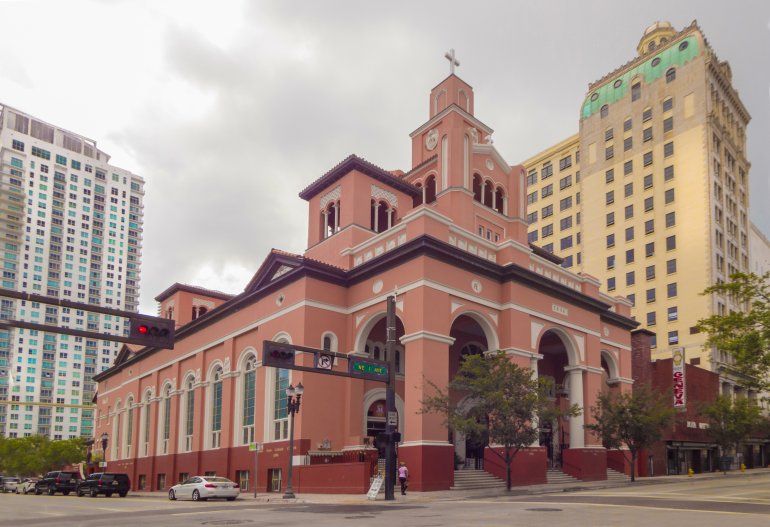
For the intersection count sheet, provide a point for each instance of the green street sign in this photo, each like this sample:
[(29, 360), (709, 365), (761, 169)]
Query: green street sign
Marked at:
[(368, 369)]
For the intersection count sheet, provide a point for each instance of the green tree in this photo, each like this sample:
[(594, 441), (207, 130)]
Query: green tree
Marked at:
[(507, 402), (34, 455), (635, 420), (745, 335), (732, 421)]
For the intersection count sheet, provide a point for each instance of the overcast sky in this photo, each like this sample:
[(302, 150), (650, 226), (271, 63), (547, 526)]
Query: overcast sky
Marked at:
[(228, 108)]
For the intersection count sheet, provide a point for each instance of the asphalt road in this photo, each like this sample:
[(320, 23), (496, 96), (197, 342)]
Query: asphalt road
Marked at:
[(733, 501)]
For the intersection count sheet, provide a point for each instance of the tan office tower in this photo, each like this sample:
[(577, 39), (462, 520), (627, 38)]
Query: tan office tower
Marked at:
[(651, 196)]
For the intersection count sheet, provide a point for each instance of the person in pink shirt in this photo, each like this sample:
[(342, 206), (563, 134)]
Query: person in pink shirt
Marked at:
[(403, 475)]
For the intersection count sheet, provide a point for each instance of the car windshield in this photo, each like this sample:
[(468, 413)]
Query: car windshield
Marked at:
[(218, 480)]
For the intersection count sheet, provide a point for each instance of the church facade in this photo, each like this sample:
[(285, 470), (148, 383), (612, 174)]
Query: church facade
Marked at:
[(449, 238)]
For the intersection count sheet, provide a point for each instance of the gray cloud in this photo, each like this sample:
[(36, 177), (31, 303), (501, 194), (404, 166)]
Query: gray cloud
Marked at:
[(301, 85)]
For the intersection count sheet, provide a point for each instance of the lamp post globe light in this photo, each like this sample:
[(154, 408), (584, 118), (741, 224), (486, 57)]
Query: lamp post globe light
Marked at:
[(105, 440), (294, 395)]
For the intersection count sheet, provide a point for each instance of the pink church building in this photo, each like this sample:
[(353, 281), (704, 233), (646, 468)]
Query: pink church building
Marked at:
[(449, 236)]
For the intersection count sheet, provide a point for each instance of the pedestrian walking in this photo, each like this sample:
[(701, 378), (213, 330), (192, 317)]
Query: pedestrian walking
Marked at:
[(403, 476)]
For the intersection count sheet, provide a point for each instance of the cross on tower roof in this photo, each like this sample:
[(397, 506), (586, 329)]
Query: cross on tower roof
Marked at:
[(450, 56)]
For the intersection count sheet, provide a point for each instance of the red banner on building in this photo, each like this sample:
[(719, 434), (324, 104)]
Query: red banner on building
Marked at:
[(680, 386)]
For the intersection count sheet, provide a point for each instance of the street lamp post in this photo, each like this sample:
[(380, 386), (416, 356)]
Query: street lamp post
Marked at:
[(294, 395), (105, 439)]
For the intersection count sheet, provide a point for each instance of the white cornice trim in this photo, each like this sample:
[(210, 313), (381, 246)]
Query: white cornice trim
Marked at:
[(375, 239), (446, 111), (425, 443), (522, 353), (616, 344), (620, 380), (427, 335), (490, 150)]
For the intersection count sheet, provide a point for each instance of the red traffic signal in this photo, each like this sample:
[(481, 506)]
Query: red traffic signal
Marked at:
[(277, 354), (152, 331)]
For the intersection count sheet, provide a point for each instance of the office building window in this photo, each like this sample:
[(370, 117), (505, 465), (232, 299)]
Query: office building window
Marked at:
[(609, 152), (648, 181), (668, 104), (532, 177), (650, 293), (567, 262), (565, 223), (604, 111), (609, 176), (636, 92), (649, 272), (611, 284), (628, 144), (646, 114), (609, 197), (673, 337), (565, 162), (668, 149), (531, 197), (671, 290), (628, 167), (547, 230), (546, 190), (647, 134), (671, 219), (649, 249), (668, 124), (546, 171), (608, 134), (669, 196), (546, 211), (673, 313), (649, 226), (627, 124), (610, 240), (611, 262), (648, 158), (532, 237), (651, 318), (630, 278), (566, 242), (648, 204), (629, 212), (629, 256), (671, 243), (565, 203), (610, 218), (629, 233), (668, 173), (532, 217), (565, 182), (671, 266)]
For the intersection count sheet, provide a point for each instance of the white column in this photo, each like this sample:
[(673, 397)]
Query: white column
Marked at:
[(376, 216), (576, 431), (536, 422), (423, 194), (390, 218), (337, 216), (494, 198), (326, 223)]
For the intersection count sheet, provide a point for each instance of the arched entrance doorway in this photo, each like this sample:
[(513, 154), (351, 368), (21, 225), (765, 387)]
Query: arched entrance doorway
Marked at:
[(376, 418), (555, 435), (470, 339)]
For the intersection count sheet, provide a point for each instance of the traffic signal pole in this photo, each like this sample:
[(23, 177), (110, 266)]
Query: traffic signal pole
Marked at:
[(390, 399)]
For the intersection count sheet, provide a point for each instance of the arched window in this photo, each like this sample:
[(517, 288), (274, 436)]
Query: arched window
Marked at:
[(280, 405), (670, 74), (129, 428), (249, 399), (651, 46), (330, 219), (165, 419), (188, 415), (419, 200), (116, 432), (202, 310), (488, 191), (500, 200), (376, 418), (430, 189), (215, 400), (145, 425), (477, 187), (170, 312), (605, 111)]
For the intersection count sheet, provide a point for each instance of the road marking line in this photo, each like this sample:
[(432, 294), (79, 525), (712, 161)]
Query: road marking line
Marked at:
[(563, 503)]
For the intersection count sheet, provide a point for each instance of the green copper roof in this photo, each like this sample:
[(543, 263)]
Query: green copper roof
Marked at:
[(671, 56)]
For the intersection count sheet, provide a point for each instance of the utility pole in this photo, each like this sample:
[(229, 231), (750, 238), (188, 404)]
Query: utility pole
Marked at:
[(390, 399)]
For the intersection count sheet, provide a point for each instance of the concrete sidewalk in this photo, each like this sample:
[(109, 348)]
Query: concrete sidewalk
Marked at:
[(457, 495)]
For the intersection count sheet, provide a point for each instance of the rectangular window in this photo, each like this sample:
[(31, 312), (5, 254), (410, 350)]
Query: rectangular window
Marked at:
[(668, 124), (648, 181), (669, 196), (671, 219), (532, 177), (649, 203), (673, 337), (636, 92), (671, 243), (632, 298), (548, 247), (611, 284), (630, 278), (61, 160), (646, 114), (650, 295), (649, 272), (608, 134), (565, 203), (609, 198), (649, 249), (609, 152), (627, 124), (565, 162), (629, 211), (566, 242), (547, 171), (546, 211), (628, 144), (673, 313), (629, 256), (610, 218), (628, 167), (651, 318), (671, 289), (668, 149), (17, 145), (668, 104), (565, 182), (531, 198), (546, 191), (668, 173), (628, 189), (647, 134), (671, 266), (547, 230), (629, 233), (649, 226), (567, 262), (611, 262), (648, 158), (565, 223), (610, 240), (532, 237), (532, 217), (609, 176)]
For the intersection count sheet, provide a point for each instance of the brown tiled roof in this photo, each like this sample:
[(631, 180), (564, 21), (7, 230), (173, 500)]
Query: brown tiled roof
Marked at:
[(192, 289)]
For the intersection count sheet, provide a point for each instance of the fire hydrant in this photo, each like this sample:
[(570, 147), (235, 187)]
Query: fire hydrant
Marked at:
[(743, 467), (690, 472)]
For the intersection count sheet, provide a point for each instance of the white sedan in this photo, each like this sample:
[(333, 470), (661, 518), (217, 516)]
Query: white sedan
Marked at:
[(26, 486), (204, 487)]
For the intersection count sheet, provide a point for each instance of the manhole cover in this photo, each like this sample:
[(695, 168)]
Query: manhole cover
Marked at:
[(544, 509)]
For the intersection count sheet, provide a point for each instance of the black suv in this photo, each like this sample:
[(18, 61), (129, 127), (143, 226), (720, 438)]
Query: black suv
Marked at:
[(58, 481), (105, 483)]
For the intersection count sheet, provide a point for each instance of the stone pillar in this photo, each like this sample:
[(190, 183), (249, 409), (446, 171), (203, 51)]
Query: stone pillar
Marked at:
[(376, 216), (326, 223), (425, 448), (533, 368), (337, 216), (576, 432)]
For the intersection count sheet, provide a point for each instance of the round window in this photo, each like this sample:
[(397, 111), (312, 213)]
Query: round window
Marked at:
[(655, 61), (595, 96), (618, 83), (683, 45)]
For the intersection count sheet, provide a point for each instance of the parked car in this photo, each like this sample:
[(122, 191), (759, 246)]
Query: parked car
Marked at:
[(203, 488), (58, 481), (107, 483), (26, 486), (9, 484)]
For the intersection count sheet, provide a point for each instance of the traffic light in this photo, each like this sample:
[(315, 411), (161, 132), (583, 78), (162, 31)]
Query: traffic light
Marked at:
[(277, 354), (152, 331)]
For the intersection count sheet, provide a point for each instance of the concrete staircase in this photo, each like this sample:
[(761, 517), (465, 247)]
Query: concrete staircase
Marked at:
[(616, 477), (471, 479), (556, 476)]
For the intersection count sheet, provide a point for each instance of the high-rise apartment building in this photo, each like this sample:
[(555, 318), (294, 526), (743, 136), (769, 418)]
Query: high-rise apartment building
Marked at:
[(71, 227), (651, 196)]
